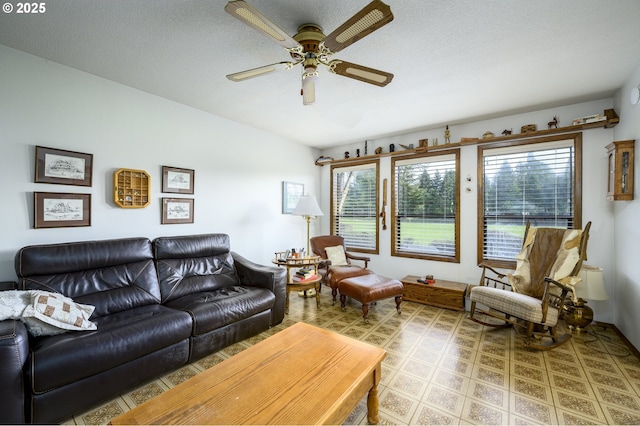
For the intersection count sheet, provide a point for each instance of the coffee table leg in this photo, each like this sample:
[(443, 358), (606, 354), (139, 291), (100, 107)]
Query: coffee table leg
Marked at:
[(317, 296), (372, 400)]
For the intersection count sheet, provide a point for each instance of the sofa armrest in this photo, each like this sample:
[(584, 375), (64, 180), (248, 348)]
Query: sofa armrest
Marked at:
[(272, 278), (14, 347)]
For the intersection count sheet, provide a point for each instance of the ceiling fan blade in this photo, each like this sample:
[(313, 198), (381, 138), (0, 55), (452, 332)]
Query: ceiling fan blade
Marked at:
[(257, 72), (360, 72), (251, 16), (375, 15)]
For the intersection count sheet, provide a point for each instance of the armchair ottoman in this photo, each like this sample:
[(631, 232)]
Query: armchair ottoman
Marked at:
[(370, 288)]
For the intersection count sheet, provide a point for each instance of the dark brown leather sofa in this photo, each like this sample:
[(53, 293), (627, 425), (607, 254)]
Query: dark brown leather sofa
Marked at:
[(158, 305)]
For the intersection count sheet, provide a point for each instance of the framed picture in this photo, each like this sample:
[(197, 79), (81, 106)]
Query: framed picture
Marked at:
[(177, 210), (291, 193), (179, 181), (59, 210), (63, 167)]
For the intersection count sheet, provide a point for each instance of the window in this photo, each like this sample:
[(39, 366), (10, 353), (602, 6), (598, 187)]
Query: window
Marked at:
[(537, 181), (354, 205), (426, 203)]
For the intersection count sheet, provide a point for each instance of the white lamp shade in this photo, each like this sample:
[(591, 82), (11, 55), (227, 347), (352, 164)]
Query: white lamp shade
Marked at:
[(592, 285), (307, 206)]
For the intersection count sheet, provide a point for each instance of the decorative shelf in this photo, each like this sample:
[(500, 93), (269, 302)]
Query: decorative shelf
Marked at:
[(611, 121), (131, 188)]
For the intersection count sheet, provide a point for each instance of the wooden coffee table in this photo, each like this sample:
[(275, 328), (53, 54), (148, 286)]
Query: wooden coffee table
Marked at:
[(301, 375)]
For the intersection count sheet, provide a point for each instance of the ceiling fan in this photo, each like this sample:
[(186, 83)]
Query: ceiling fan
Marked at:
[(309, 47)]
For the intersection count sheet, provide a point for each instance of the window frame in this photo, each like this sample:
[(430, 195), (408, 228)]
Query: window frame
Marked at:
[(394, 207), (332, 225), (577, 187)]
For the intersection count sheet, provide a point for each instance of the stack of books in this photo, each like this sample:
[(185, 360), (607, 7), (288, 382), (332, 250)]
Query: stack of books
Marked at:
[(304, 275)]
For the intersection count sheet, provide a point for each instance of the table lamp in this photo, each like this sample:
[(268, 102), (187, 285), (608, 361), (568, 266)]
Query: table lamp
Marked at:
[(309, 209), (578, 315)]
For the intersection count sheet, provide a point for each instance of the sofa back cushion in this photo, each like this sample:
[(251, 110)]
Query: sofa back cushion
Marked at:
[(112, 275), (193, 263)]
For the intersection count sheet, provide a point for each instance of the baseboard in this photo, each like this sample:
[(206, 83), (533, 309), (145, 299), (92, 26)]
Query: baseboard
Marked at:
[(620, 335)]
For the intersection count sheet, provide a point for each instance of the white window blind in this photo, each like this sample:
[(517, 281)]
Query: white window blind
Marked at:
[(426, 198), (532, 183), (355, 207)]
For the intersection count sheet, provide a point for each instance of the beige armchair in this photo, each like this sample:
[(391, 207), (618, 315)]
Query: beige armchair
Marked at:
[(532, 298), (336, 261)]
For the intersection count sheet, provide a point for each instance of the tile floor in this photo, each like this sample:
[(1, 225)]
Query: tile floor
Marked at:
[(443, 369)]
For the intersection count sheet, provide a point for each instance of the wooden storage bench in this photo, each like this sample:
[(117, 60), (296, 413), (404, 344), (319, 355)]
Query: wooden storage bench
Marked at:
[(443, 294)]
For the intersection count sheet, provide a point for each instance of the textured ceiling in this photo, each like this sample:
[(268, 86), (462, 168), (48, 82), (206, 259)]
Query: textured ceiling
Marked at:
[(453, 60)]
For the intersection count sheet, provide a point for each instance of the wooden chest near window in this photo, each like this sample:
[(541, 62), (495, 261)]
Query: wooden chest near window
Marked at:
[(443, 294)]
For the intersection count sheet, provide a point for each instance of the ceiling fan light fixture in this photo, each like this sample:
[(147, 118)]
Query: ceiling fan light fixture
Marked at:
[(310, 47), (309, 78)]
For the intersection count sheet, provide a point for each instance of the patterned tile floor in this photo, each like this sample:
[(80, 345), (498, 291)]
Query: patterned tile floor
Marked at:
[(443, 369)]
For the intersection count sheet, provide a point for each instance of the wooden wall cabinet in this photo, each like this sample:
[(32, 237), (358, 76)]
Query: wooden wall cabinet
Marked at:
[(131, 188), (620, 176)]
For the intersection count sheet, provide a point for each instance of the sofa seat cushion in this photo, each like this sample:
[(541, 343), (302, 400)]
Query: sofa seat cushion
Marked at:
[(213, 309), (122, 337)]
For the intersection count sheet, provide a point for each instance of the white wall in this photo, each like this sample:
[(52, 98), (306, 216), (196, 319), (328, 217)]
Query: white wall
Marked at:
[(595, 207), (626, 295), (238, 170)]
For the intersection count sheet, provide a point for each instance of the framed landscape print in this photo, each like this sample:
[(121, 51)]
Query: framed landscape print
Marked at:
[(291, 193), (177, 210), (179, 181), (63, 167), (59, 210)]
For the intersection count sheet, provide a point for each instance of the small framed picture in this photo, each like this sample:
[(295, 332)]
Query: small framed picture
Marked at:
[(177, 210), (63, 167), (59, 210), (291, 193), (179, 181)]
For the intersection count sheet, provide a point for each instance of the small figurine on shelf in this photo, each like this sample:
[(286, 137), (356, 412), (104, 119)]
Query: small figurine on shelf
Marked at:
[(378, 150), (392, 148), (553, 123), (447, 135), (507, 132), (346, 154), (435, 141), (423, 143), (358, 152), (365, 147)]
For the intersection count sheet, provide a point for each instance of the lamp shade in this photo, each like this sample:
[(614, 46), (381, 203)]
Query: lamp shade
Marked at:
[(592, 285), (307, 206)]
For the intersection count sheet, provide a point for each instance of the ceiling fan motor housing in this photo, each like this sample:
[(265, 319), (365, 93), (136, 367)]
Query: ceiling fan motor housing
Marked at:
[(309, 36)]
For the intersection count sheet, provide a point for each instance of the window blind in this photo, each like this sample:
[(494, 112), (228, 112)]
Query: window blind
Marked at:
[(426, 197), (532, 183), (355, 207)]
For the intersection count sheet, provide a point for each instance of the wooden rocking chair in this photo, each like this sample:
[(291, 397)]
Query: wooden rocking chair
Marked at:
[(534, 296)]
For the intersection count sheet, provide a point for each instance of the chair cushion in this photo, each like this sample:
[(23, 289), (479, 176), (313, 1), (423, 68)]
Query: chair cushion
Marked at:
[(336, 255), (515, 304)]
